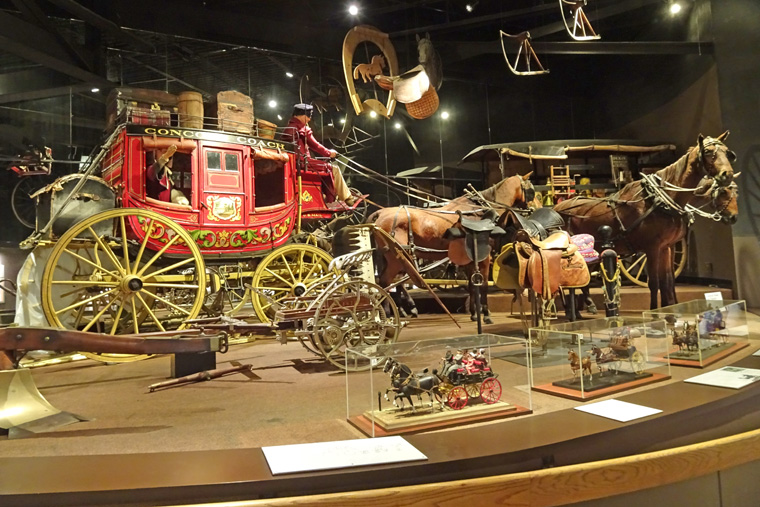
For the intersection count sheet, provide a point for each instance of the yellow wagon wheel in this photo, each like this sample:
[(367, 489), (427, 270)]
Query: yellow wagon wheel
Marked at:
[(635, 268), (100, 279), (288, 271)]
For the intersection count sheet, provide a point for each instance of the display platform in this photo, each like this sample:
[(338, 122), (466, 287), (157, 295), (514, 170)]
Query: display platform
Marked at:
[(397, 422), (587, 359), (701, 332), (438, 383)]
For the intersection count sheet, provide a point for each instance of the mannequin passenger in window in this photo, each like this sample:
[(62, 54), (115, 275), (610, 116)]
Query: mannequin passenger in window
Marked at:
[(158, 182)]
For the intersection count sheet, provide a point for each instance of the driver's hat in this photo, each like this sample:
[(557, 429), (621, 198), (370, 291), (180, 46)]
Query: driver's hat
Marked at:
[(303, 109)]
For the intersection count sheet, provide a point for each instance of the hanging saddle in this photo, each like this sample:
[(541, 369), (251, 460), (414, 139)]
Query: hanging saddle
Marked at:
[(469, 240)]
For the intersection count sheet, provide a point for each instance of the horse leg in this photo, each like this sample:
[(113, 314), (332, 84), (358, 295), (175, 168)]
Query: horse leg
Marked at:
[(667, 280), (653, 261), (408, 302)]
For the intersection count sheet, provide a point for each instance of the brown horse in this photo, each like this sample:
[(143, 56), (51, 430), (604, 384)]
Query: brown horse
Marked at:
[(422, 230), (577, 364), (652, 214)]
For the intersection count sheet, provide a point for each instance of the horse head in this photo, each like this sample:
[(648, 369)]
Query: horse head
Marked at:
[(515, 191), (715, 158), (390, 365)]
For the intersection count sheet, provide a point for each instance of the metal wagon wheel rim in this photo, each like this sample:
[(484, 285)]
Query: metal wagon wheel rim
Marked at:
[(111, 283), (635, 268), (490, 391), (352, 315), (22, 204)]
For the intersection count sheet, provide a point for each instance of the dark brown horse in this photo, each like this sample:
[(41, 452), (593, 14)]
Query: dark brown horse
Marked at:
[(652, 214), (422, 230)]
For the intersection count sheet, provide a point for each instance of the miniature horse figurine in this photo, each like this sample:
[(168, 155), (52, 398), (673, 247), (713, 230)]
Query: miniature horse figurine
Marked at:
[(405, 383), (576, 364)]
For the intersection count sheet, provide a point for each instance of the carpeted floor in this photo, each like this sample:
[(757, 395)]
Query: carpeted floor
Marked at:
[(291, 396)]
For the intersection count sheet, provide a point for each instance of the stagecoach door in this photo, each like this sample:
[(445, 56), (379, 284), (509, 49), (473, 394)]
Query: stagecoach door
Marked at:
[(223, 182)]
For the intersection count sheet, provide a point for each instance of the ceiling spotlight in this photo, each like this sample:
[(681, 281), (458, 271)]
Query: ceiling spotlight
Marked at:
[(471, 6), (353, 9), (675, 8), (445, 115), (397, 125), (343, 120), (279, 117), (289, 74), (272, 103), (372, 114), (95, 90)]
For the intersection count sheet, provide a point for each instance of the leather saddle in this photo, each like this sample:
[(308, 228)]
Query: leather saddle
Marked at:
[(469, 237), (541, 256)]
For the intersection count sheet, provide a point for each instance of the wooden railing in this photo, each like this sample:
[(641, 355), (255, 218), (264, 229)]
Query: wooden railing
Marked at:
[(552, 486)]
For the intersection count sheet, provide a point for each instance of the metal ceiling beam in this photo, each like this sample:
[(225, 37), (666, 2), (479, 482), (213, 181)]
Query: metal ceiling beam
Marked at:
[(102, 24), (34, 44), (476, 21), (34, 14), (465, 50), (60, 119), (45, 93)]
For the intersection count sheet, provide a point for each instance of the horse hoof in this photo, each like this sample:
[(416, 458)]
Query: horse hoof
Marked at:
[(487, 320), (473, 318), (415, 313)]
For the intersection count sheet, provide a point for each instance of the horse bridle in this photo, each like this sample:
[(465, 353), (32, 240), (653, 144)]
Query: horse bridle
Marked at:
[(724, 179), (529, 193)]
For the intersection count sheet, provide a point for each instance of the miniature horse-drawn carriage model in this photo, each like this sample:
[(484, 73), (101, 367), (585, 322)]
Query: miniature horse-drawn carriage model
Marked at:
[(468, 376), (117, 253), (619, 350), (464, 376)]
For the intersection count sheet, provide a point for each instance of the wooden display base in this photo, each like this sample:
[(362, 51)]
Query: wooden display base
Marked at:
[(691, 359), (625, 381), (393, 421)]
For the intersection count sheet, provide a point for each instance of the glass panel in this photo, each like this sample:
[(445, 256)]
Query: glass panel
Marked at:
[(230, 161), (214, 160)]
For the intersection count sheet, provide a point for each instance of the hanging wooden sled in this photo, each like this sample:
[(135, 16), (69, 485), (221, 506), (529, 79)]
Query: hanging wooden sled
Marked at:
[(582, 29), (526, 62)]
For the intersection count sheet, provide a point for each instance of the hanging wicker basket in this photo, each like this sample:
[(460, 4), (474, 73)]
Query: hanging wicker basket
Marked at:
[(425, 107)]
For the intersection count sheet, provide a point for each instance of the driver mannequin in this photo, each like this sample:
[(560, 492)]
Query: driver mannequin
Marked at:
[(298, 131), (159, 182)]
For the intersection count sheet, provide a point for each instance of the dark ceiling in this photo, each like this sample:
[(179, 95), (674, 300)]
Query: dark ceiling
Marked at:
[(54, 51)]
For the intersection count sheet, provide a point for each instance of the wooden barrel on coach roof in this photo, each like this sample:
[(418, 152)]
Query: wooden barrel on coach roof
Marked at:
[(190, 106)]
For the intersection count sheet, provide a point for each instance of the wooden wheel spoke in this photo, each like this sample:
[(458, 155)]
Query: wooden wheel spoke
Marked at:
[(287, 265), (144, 244), (168, 268), (107, 249), (97, 317), (124, 244), (134, 316), (84, 302), (166, 302), (279, 277), (157, 255), (88, 261), (150, 312), (116, 318), (171, 285), (84, 283)]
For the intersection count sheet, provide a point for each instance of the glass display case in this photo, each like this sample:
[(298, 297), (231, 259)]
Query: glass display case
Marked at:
[(703, 331), (587, 359), (429, 384)]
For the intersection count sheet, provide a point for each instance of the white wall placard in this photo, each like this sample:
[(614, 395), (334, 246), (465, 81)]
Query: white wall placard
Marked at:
[(285, 459), (714, 296), (731, 377)]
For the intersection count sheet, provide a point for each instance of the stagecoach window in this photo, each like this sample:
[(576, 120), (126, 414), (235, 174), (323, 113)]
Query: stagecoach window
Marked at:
[(214, 160), (230, 162), (268, 182)]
